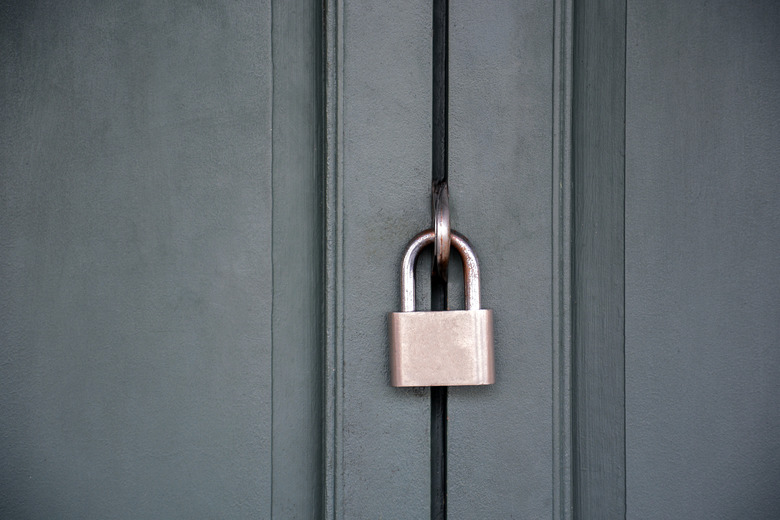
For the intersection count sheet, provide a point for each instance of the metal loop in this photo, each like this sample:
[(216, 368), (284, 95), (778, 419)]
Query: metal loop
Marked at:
[(470, 268), (441, 228)]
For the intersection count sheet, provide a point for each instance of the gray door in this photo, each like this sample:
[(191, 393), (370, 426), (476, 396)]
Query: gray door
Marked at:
[(203, 211), (702, 269), (160, 260), (676, 367), (506, 146)]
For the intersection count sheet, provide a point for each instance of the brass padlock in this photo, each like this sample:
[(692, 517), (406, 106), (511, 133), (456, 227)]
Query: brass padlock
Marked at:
[(441, 348)]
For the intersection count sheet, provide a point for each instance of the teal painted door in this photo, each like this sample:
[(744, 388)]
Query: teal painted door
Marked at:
[(506, 197), (702, 260), (160, 253), (204, 207), (203, 211)]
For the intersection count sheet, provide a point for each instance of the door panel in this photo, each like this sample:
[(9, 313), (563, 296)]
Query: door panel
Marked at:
[(702, 268), (501, 185), (380, 199), (597, 237), (501, 178), (158, 325), (296, 250)]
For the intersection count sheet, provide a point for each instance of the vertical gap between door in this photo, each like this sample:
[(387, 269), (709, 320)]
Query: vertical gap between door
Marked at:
[(439, 284)]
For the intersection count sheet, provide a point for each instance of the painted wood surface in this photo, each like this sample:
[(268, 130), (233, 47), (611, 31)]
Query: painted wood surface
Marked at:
[(378, 197), (159, 238), (296, 257), (598, 109), (201, 233), (163, 259), (503, 176), (702, 260), (501, 179)]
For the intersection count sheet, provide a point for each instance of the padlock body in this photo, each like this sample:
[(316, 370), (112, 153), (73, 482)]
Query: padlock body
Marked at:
[(441, 348)]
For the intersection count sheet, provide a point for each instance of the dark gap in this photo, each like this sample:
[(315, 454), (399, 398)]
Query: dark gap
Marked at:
[(438, 283)]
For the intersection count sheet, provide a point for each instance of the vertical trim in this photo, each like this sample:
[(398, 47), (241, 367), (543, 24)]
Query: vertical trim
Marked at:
[(598, 141), (296, 251), (332, 67), (561, 257), (273, 282)]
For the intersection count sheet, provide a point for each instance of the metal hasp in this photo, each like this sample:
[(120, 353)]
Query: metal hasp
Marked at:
[(441, 348)]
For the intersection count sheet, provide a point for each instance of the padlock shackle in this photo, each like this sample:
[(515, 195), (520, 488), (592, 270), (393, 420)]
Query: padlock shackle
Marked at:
[(467, 255)]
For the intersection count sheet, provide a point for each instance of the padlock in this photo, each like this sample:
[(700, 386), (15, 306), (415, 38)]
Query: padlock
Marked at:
[(441, 348)]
